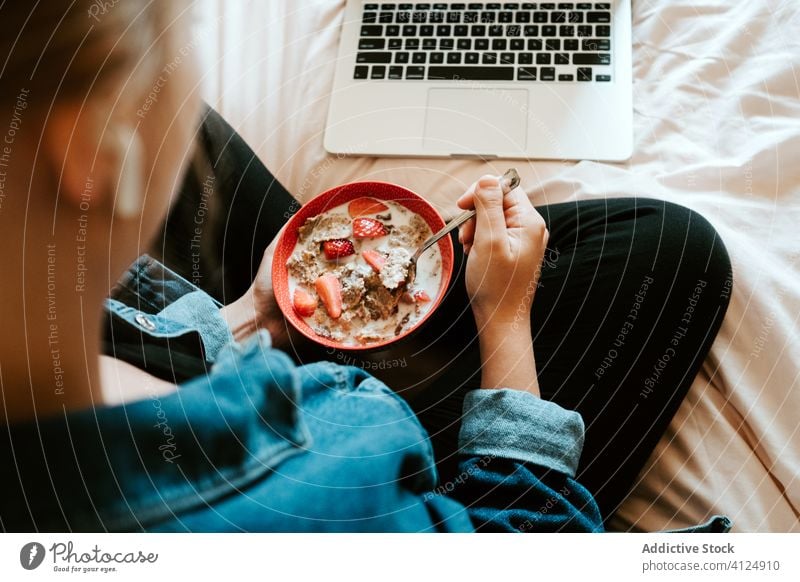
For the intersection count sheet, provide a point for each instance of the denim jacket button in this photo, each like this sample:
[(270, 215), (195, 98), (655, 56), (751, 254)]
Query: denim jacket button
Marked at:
[(145, 321)]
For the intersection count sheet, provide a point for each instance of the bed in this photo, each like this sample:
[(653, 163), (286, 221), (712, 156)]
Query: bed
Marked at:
[(717, 129)]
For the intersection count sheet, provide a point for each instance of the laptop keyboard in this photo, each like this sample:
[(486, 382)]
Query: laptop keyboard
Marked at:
[(486, 41)]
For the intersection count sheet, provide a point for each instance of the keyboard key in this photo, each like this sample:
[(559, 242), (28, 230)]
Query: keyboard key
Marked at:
[(454, 17), (517, 44), (386, 17), (429, 44), (367, 44), (471, 17), (419, 58), (522, 17), (499, 44), (392, 30), (493, 6), (513, 30), (369, 18), (475, 5), (575, 17), (540, 17), (412, 44), (558, 17), (505, 17), (584, 30), (548, 74), (372, 30), (378, 72), (566, 30), (478, 30), (395, 72), (489, 59), (403, 17), (566, 6), (603, 30), (388, 6), (495, 30), (426, 30), (531, 30), (584, 73), (596, 44), (525, 58), (511, 6), (436, 58), (534, 44), (548, 30), (472, 59), (591, 59), (401, 58), (529, 6), (472, 73), (444, 30), (453, 58), (410, 30), (566, 77), (547, 6), (583, 6), (481, 44), (447, 44), (488, 17), (374, 58), (543, 59), (395, 43), (562, 59), (415, 72), (464, 44), (507, 58), (436, 17), (361, 72), (552, 44), (419, 17), (598, 17), (370, 6), (603, 6), (461, 30), (570, 44), (603, 78)]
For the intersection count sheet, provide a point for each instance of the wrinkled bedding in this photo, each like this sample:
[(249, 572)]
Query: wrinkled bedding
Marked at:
[(717, 129)]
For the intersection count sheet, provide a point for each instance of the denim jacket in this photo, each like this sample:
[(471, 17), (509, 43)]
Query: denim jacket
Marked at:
[(251, 442)]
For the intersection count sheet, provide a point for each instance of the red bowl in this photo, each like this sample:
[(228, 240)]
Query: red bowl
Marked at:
[(335, 197)]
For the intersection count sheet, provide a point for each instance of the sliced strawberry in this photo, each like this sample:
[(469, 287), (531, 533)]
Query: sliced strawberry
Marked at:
[(337, 249), (305, 304), (420, 296), (364, 206), (368, 228), (374, 259), (330, 291)]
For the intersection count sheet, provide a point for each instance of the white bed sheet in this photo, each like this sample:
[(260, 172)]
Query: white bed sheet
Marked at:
[(717, 129)]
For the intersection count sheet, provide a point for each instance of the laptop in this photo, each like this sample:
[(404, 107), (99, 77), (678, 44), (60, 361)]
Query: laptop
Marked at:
[(541, 80)]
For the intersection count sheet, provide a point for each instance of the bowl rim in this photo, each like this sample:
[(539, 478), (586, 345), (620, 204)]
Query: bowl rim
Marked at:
[(279, 268)]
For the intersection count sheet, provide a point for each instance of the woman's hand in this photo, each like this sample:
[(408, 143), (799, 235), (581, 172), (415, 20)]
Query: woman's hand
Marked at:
[(505, 244), (257, 308)]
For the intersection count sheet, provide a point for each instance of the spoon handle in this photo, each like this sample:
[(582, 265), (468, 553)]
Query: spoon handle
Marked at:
[(508, 182)]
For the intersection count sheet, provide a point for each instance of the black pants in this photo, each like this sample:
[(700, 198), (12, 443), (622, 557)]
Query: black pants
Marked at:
[(631, 296)]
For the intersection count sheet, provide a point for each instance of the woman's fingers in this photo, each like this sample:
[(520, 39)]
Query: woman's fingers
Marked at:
[(490, 227)]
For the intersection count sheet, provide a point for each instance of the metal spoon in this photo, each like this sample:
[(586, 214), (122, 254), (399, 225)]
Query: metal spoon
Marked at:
[(508, 182)]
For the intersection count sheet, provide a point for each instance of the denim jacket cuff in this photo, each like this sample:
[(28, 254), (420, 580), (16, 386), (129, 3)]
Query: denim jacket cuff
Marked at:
[(517, 425), (197, 310)]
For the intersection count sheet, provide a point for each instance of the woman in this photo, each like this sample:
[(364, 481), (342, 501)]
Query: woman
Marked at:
[(257, 443)]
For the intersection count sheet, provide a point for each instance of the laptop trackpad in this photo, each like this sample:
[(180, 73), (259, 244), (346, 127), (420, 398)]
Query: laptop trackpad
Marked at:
[(480, 121)]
